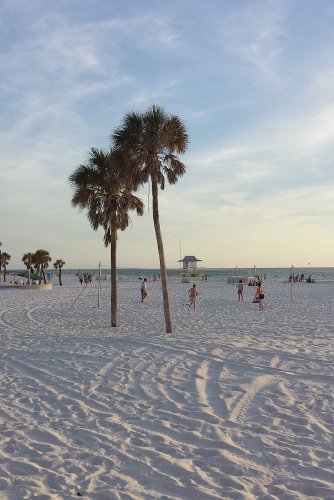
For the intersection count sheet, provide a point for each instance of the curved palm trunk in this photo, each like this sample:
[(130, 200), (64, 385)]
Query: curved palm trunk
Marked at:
[(113, 277), (163, 272)]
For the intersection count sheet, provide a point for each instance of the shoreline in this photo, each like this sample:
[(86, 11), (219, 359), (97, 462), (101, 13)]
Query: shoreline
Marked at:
[(213, 274)]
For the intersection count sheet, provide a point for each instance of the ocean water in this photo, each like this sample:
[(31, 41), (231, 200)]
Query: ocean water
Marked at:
[(324, 274)]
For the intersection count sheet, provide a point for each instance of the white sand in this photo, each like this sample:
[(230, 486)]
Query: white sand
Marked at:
[(237, 404)]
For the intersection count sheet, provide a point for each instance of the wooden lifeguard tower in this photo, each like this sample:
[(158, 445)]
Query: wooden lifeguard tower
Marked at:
[(189, 271)]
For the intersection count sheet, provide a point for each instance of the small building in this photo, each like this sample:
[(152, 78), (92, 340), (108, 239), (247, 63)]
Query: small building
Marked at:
[(189, 272)]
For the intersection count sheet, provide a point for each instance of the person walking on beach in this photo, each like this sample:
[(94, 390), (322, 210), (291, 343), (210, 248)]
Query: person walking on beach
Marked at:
[(240, 287), (259, 294), (192, 293), (143, 290)]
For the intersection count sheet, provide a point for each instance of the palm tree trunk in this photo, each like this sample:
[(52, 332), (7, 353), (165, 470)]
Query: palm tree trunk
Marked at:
[(163, 272), (113, 278), (28, 275), (59, 275)]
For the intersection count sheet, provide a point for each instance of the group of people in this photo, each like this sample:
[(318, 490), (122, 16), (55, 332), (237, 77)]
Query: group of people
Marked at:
[(296, 278), (193, 294), (258, 296), (254, 281), (299, 278), (84, 278)]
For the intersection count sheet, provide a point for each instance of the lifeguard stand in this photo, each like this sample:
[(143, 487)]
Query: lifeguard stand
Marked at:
[(189, 271)]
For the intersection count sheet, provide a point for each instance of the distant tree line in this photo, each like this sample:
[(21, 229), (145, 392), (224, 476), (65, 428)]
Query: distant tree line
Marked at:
[(4, 261), (39, 262), (36, 264)]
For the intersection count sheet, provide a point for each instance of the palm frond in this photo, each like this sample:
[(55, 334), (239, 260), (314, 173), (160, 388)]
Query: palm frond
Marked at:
[(103, 186), (151, 140), (178, 138)]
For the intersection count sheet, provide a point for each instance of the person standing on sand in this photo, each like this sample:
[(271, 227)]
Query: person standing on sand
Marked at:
[(192, 292), (143, 289), (260, 295), (240, 287)]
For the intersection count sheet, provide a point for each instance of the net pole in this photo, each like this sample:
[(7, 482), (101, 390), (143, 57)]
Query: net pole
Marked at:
[(99, 288)]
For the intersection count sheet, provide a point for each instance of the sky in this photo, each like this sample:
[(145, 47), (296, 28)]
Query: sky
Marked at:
[(253, 81)]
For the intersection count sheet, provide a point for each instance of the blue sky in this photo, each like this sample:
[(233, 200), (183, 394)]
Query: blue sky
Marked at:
[(253, 82)]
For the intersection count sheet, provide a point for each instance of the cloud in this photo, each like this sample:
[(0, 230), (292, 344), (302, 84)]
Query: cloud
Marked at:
[(255, 35), (322, 85), (260, 159), (155, 93)]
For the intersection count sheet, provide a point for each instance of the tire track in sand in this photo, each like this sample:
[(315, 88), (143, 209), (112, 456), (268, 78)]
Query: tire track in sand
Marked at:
[(257, 384)]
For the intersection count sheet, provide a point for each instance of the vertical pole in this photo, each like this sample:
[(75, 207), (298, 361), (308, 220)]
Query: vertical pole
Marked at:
[(292, 276), (99, 288)]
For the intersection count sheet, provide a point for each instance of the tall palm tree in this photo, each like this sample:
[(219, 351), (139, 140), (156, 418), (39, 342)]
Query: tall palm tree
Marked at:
[(5, 258), (152, 140), (58, 265), (28, 261), (41, 261), (103, 187)]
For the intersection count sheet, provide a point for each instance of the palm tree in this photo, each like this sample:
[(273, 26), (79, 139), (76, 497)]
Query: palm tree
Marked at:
[(28, 260), (103, 187), (152, 140), (41, 261), (58, 265), (5, 258)]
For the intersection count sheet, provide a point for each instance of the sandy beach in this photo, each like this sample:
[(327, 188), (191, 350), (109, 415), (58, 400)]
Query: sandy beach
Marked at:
[(236, 404)]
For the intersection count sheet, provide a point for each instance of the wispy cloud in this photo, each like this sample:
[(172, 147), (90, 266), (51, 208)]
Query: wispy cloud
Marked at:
[(260, 156), (255, 35)]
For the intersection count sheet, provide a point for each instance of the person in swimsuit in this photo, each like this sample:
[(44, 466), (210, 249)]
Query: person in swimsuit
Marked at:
[(143, 290), (260, 295), (192, 297), (240, 288)]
